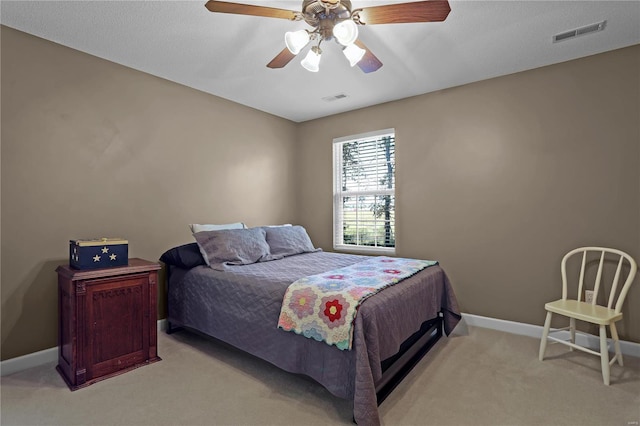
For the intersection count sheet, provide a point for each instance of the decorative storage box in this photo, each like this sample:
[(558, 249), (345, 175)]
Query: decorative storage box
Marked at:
[(98, 253)]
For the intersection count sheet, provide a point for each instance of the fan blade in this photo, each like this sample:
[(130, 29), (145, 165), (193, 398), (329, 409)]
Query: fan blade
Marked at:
[(369, 62), (403, 13), (281, 59), (247, 9)]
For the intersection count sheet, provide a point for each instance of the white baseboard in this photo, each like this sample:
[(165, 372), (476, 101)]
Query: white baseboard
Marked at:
[(35, 359), (589, 341), (162, 324)]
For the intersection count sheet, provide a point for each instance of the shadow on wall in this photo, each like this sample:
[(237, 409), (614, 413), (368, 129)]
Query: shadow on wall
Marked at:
[(26, 320), (162, 291)]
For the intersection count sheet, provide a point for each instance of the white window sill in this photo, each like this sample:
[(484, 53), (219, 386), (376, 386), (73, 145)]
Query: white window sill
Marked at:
[(380, 251)]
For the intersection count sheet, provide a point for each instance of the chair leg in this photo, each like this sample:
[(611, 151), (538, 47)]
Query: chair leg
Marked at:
[(616, 342), (572, 331), (545, 333), (604, 354)]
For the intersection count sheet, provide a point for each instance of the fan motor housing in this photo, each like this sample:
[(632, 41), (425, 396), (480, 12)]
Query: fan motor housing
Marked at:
[(315, 11)]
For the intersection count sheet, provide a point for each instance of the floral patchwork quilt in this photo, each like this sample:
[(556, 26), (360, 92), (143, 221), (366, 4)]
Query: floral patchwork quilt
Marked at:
[(323, 307)]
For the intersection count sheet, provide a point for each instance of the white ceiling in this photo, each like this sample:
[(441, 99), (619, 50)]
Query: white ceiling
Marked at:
[(226, 55)]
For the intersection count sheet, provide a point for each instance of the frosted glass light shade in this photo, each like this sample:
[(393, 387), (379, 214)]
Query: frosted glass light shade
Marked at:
[(353, 53), (296, 40), (311, 62), (345, 32)]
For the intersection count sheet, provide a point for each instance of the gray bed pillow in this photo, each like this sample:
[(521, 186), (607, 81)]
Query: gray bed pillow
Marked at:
[(233, 247), (288, 240)]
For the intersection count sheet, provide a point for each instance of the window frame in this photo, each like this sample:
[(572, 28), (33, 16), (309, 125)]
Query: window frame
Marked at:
[(338, 193)]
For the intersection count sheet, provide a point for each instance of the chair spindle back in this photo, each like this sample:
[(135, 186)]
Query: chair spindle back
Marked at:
[(619, 301)]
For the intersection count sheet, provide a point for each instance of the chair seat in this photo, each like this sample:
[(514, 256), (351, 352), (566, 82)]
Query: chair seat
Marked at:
[(584, 311)]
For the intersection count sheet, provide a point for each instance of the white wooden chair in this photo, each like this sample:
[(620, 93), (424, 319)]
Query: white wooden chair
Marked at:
[(591, 312)]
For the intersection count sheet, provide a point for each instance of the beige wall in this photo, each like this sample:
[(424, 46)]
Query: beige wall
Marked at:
[(498, 179), (91, 148)]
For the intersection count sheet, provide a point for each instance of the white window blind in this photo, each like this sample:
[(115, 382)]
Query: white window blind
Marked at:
[(364, 192)]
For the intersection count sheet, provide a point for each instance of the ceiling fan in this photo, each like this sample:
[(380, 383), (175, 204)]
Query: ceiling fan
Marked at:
[(336, 19)]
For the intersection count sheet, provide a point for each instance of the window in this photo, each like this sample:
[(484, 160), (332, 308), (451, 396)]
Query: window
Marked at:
[(364, 192)]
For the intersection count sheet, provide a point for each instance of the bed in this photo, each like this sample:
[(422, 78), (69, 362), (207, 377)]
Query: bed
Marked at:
[(240, 305)]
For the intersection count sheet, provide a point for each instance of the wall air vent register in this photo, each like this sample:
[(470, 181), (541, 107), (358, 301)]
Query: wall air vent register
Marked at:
[(587, 29)]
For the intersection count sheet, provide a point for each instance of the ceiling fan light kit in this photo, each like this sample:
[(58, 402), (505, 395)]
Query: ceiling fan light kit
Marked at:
[(311, 62), (335, 19), (296, 40), (345, 32), (353, 54)]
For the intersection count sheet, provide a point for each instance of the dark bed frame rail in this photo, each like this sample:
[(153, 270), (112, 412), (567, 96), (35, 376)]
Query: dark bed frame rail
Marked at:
[(412, 350)]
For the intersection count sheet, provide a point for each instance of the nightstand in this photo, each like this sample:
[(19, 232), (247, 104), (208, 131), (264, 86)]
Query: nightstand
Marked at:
[(107, 321)]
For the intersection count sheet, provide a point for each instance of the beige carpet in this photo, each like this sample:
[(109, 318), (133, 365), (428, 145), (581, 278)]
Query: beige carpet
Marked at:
[(481, 377)]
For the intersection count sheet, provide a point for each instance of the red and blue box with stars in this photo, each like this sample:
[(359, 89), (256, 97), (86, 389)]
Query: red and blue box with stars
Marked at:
[(98, 253)]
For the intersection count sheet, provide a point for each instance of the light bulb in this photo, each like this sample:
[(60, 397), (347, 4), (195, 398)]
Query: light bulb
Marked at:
[(346, 32), (353, 53), (296, 40), (311, 62)]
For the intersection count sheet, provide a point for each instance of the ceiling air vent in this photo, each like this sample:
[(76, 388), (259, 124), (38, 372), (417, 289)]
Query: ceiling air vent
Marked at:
[(587, 29), (334, 97)]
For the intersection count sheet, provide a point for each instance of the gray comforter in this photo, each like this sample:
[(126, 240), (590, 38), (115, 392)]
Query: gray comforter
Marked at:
[(241, 306)]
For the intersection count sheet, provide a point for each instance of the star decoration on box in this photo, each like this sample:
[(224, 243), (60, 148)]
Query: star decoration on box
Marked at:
[(105, 249), (112, 256), (96, 258)]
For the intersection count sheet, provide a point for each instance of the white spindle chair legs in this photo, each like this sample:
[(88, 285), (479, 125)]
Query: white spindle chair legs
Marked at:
[(604, 354), (545, 334), (572, 331), (616, 342)]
